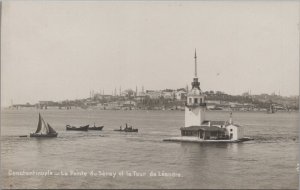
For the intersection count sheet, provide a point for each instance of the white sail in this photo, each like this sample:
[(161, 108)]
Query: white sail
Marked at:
[(42, 127), (45, 127)]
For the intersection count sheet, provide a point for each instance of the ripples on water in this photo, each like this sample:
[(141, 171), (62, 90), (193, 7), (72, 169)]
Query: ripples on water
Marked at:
[(269, 161)]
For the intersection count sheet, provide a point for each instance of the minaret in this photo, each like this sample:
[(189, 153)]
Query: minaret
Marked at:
[(136, 91), (195, 106)]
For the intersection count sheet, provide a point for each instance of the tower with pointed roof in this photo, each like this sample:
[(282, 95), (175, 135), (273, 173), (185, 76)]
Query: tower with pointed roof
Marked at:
[(195, 106)]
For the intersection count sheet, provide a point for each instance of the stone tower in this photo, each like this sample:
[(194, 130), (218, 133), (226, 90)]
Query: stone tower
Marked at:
[(195, 106)]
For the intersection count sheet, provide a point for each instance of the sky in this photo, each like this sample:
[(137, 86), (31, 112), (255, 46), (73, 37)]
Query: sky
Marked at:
[(58, 50)]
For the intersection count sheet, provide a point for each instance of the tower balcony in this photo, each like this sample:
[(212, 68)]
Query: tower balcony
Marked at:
[(194, 105)]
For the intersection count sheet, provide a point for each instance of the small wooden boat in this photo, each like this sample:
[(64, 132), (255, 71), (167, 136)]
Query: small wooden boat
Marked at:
[(73, 128), (96, 128), (127, 129), (131, 130), (43, 135), (43, 129)]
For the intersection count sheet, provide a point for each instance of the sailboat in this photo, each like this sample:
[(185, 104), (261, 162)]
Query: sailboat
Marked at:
[(43, 129)]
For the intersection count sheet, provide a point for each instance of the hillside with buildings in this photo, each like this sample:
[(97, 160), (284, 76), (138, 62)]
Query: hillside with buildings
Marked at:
[(169, 99)]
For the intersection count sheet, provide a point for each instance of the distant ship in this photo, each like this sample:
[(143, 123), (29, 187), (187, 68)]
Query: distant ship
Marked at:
[(127, 129), (43, 129)]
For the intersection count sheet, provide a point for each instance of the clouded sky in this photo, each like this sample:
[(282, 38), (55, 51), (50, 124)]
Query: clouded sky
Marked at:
[(63, 49)]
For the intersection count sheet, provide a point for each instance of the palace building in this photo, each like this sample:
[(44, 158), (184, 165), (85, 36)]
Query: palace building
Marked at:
[(195, 123)]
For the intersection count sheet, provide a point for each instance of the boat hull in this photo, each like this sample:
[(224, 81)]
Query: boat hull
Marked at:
[(43, 135), (72, 128), (127, 130), (96, 128)]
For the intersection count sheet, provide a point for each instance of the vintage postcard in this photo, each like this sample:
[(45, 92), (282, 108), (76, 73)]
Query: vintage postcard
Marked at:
[(150, 94)]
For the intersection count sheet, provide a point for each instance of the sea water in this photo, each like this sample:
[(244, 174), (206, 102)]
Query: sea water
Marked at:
[(111, 159)]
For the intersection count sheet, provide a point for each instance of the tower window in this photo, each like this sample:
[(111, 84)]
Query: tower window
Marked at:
[(196, 100), (190, 100)]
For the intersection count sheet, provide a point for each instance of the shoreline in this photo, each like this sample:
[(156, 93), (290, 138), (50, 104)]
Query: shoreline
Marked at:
[(180, 110)]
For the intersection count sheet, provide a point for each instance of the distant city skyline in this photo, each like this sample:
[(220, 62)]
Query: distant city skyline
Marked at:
[(61, 50)]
